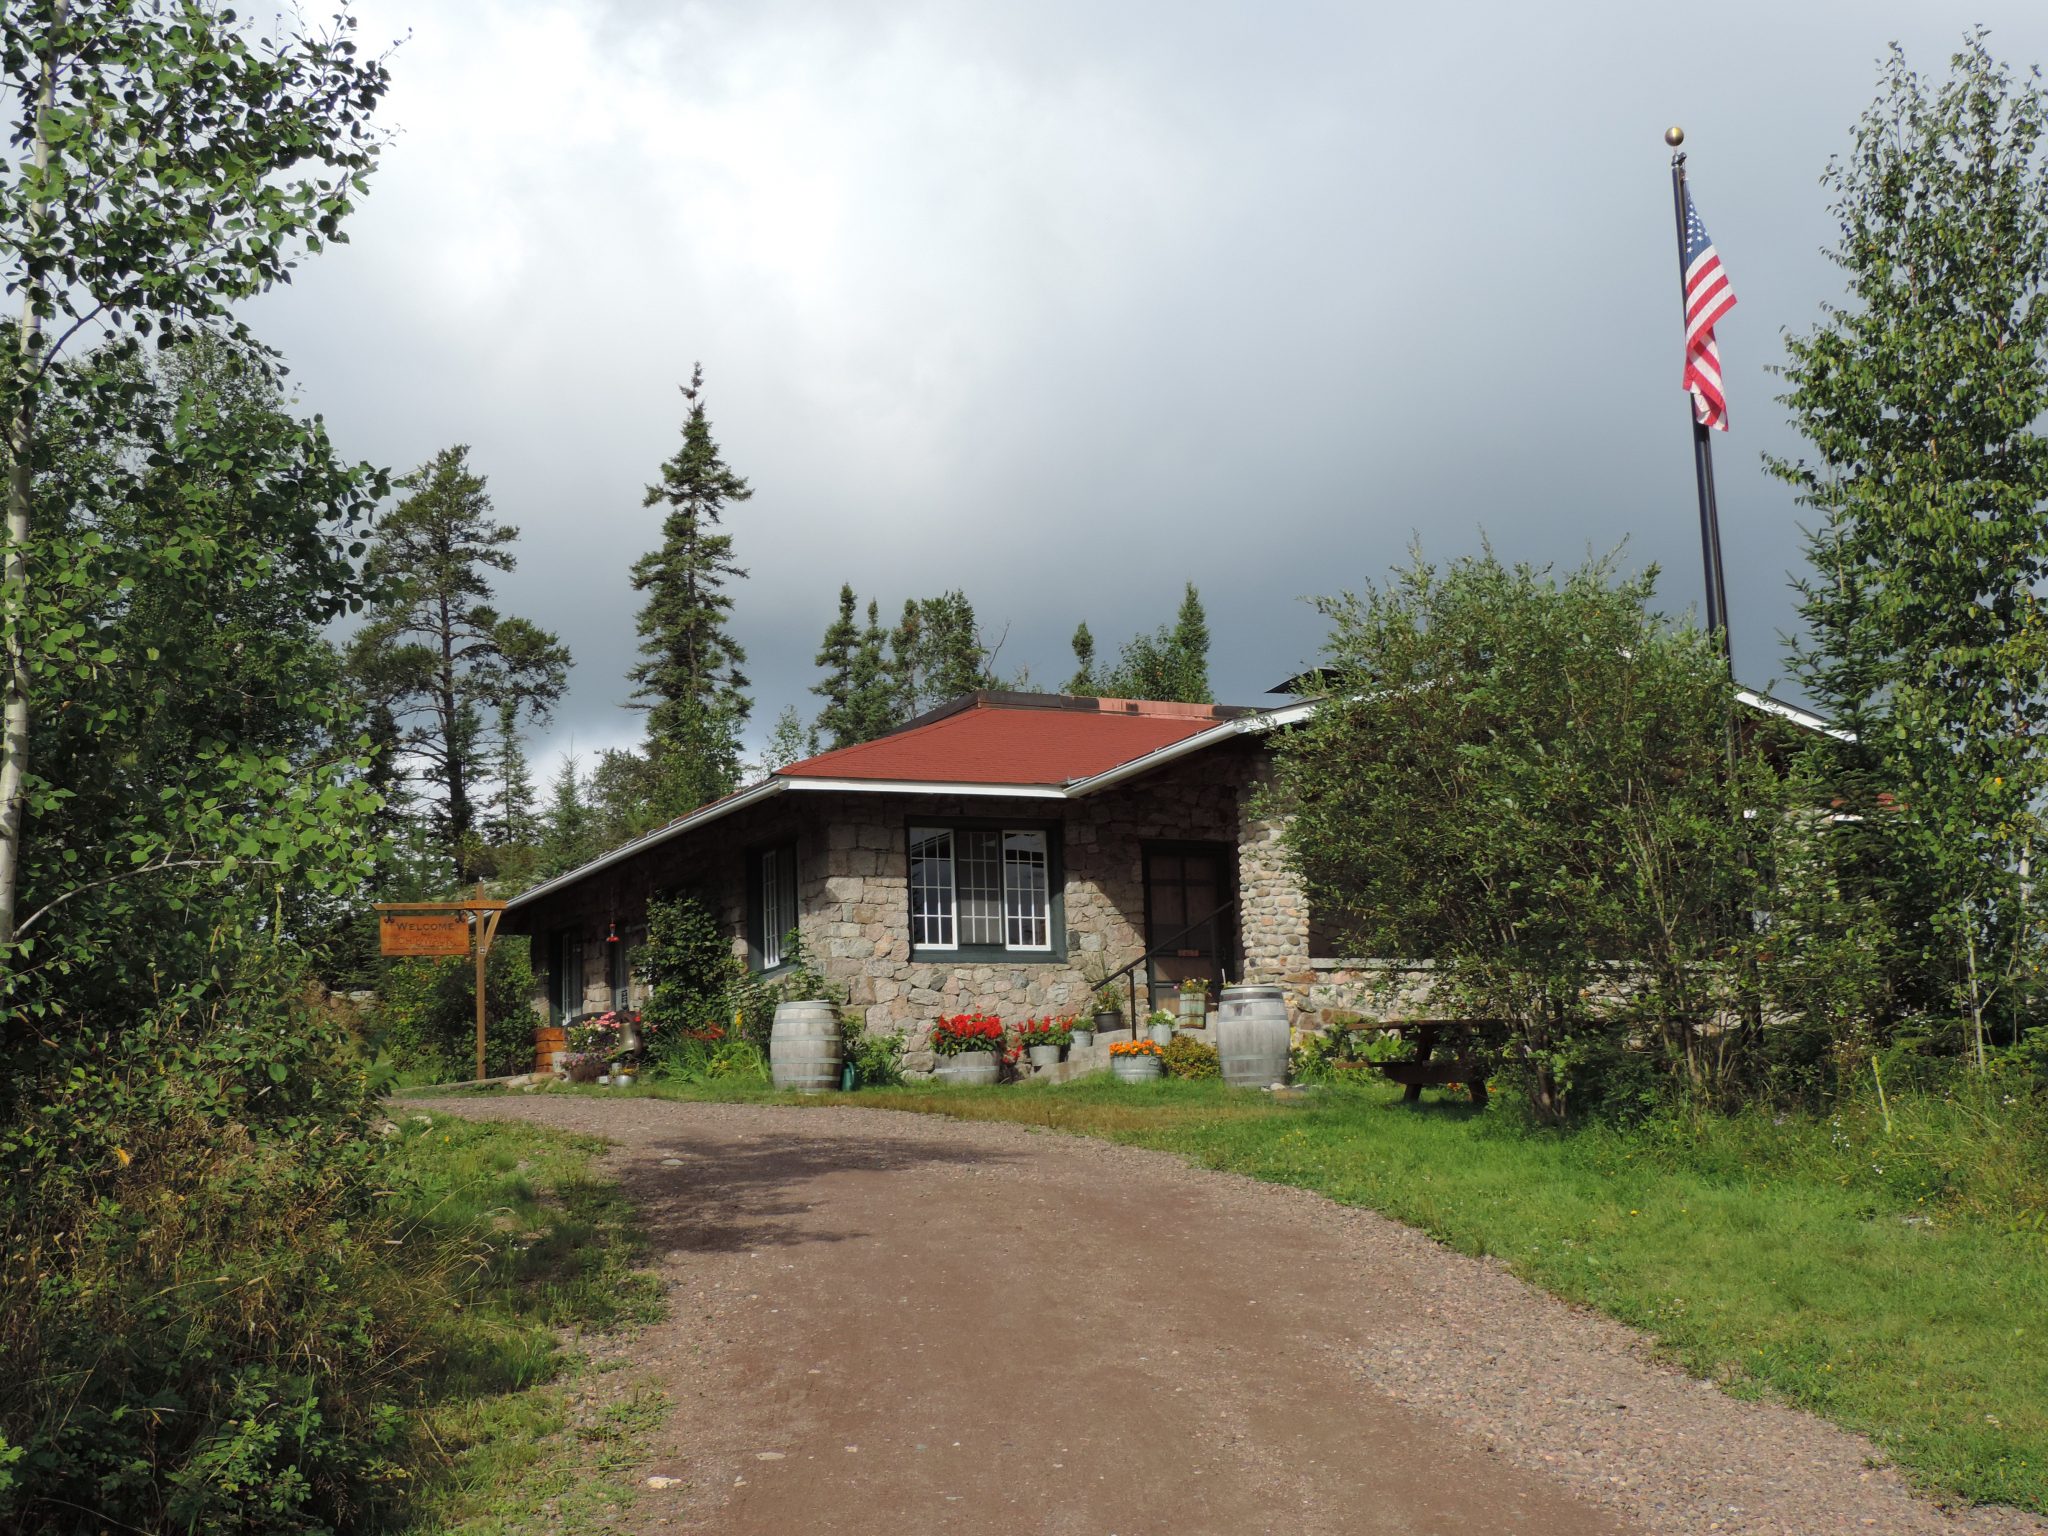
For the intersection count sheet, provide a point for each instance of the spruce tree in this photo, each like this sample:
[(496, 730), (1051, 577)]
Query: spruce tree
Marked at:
[(690, 682), (1171, 663), (835, 655), (568, 834), (906, 660), (513, 807), (1083, 682), (436, 654), (871, 701)]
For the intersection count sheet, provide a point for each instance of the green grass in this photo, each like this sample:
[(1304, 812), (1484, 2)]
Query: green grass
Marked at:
[(529, 1436), (1893, 1279)]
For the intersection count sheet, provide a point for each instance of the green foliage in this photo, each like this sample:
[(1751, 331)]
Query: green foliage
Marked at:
[(197, 768), (1525, 781), (1171, 663), (1185, 1056), (862, 698), (424, 1018), (436, 654), (1341, 1048), (703, 1001), (174, 163), (877, 1058), (690, 681), (1922, 400), (1083, 684)]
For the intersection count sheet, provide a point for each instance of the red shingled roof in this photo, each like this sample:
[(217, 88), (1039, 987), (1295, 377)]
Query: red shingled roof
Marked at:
[(987, 742)]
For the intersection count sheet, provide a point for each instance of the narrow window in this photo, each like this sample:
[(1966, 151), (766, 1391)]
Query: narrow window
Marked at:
[(568, 977), (621, 972), (980, 875), (931, 888), (1026, 891), (771, 910)]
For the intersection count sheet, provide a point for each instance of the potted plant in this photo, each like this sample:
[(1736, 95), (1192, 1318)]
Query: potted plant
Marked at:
[(1194, 1002), (1043, 1041), (968, 1045), (1108, 1007), (1160, 1025), (1080, 1031), (1136, 1061)]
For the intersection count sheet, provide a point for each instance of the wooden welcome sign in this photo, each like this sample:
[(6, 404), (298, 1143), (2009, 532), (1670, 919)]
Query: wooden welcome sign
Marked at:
[(423, 933), (444, 928)]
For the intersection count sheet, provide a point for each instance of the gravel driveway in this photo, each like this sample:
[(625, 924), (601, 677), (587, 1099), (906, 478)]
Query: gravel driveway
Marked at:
[(898, 1324)]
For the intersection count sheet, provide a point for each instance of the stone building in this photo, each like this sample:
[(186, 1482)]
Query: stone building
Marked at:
[(1003, 854)]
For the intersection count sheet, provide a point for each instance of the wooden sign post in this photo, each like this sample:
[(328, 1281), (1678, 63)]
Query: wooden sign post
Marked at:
[(444, 928)]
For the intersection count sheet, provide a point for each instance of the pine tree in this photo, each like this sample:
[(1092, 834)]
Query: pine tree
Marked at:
[(513, 807), (871, 699), (1083, 682), (436, 654), (1171, 663), (953, 660), (690, 682), (568, 835), (835, 655), (906, 660)]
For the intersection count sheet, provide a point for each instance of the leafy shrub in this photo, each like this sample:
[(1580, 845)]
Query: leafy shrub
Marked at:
[(424, 1018), (702, 996), (877, 1058), (1346, 1041), (1191, 1058), (205, 1326)]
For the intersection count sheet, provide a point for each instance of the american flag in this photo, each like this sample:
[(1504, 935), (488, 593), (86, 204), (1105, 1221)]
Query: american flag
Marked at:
[(1707, 298)]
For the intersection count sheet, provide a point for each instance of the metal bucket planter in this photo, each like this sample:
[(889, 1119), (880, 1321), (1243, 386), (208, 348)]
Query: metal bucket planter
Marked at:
[(1162, 1034), (1252, 1036), (1084, 1037), (1043, 1056), (1137, 1069), (970, 1069), (806, 1052)]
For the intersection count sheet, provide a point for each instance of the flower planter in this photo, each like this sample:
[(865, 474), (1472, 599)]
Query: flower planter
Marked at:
[(1105, 1021), (1043, 1056), (1162, 1034), (970, 1069), (550, 1043), (1084, 1037), (1137, 1069), (1194, 1009)]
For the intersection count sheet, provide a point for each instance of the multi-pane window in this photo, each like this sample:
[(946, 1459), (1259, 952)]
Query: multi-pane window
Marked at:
[(772, 911), (983, 888), (568, 976)]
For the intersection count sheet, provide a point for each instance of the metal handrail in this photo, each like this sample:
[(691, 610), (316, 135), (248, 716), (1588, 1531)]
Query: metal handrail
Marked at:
[(1153, 953)]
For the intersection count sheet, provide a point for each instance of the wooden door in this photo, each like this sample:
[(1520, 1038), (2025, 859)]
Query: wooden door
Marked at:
[(1189, 928)]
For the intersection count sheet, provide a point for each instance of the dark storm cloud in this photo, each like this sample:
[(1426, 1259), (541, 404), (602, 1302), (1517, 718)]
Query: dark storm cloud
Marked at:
[(1066, 304)]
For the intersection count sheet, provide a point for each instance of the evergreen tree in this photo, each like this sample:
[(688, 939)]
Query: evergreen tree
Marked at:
[(835, 655), (872, 698), (568, 833), (1083, 682), (952, 659), (1171, 663), (436, 654), (513, 808), (906, 660), (690, 682), (1922, 401)]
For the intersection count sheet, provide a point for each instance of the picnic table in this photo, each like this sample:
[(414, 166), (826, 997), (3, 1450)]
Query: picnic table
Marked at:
[(1427, 1070)]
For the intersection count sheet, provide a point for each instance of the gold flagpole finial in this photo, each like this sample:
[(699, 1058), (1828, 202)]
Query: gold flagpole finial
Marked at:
[(1674, 135)]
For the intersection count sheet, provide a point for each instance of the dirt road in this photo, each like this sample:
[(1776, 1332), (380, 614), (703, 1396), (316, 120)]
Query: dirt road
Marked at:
[(885, 1323)]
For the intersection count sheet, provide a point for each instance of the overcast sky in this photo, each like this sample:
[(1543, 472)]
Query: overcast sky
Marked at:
[(1067, 304)]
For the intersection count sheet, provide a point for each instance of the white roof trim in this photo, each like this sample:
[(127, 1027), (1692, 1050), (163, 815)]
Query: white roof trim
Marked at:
[(1763, 703), (929, 787), (1244, 725), (718, 809)]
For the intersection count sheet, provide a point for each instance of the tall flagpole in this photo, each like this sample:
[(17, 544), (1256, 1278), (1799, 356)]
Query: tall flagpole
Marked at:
[(1702, 438)]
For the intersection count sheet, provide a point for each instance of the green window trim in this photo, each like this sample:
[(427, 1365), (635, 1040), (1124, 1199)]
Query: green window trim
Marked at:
[(1055, 950)]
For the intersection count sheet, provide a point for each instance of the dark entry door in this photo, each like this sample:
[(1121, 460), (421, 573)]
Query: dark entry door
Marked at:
[(1185, 885)]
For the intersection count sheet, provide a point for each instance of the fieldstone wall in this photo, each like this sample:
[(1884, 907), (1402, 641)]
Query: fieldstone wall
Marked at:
[(854, 908)]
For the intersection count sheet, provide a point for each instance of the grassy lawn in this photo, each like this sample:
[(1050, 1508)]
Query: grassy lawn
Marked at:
[(1894, 1280), (531, 1437)]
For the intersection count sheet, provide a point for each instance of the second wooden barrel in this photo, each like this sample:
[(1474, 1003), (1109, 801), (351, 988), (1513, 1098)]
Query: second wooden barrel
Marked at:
[(1251, 1036), (806, 1051)]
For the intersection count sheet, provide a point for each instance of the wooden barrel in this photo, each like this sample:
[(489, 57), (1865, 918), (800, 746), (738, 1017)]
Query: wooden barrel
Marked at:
[(1251, 1036), (549, 1042), (806, 1052)]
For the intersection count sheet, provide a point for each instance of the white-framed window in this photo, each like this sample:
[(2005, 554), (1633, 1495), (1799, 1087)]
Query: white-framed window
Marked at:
[(980, 888), (772, 908)]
